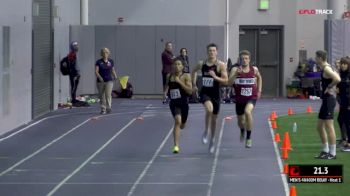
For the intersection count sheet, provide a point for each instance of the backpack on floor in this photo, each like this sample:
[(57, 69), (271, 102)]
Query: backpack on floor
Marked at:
[(64, 66), (127, 92)]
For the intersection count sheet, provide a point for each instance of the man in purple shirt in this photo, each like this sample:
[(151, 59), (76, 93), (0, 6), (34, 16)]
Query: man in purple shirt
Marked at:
[(167, 61)]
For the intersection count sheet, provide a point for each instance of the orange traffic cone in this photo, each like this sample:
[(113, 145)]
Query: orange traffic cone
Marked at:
[(309, 109), (290, 112), (274, 124), (277, 137), (273, 115), (284, 154), (272, 118), (286, 142), (293, 191), (286, 169)]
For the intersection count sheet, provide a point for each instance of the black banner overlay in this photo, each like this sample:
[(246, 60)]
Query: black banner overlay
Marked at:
[(315, 174)]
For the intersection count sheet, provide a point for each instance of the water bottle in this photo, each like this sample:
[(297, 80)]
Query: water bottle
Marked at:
[(295, 127)]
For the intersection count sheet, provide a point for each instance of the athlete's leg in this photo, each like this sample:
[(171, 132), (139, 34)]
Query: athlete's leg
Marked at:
[(213, 125), (176, 131), (249, 123), (329, 126), (208, 113), (184, 115), (241, 119), (323, 135), (248, 113), (216, 109)]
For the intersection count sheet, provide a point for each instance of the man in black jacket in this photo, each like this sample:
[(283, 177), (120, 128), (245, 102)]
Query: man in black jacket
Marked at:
[(74, 71)]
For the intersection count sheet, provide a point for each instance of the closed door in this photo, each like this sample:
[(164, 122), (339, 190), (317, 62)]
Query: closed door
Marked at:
[(42, 69), (265, 43)]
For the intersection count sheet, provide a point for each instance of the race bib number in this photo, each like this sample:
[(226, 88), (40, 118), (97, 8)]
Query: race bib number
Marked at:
[(208, 82), (246, 92), (175, 94)]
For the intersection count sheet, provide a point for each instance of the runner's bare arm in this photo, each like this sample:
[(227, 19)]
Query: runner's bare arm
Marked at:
[(333, 75), (186, 84), (232, 77), (329, 73), (258, 78), (194, 73), (223, 79)]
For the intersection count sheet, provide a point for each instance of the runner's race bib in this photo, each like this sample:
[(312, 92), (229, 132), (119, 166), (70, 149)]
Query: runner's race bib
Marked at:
[(175, 94), (246, 92), (208, 82)]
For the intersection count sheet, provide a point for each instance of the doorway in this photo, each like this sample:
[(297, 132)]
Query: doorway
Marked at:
[(266, 46)]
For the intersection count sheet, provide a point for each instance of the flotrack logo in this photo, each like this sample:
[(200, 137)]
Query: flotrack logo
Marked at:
[(314, 12)]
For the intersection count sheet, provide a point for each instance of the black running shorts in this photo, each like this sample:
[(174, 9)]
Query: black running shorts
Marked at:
[(214, 101), (179, 109), (240, 107), (327, 107)]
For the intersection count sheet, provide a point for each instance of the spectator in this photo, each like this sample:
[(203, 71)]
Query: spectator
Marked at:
[(343, 100), (74, 71), (167, 61), (183, 57), (105, 73)]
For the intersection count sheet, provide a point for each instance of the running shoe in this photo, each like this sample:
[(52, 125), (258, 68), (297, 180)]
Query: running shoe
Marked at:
[(182, 126), (212, 146), (176, 149), (205, 137), (346, 148), (103, 112), (330, 157), (248, 143), (341, 144), (322, 155)]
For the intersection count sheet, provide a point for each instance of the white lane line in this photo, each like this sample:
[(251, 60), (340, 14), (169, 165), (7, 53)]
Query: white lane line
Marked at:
[(24, 128), (217, 153), (279, 161), (149, 106), (137, 182), (105, 183), (42, 148), (54, 190), (61, 115)]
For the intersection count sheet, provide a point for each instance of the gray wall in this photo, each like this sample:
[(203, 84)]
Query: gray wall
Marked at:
[(20, 79), (149, 12), (20, 23), (338, 41), (209, 12), (137, 50), (310, 28)]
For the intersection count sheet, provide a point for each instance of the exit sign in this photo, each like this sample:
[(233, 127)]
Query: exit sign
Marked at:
[(264, 4)]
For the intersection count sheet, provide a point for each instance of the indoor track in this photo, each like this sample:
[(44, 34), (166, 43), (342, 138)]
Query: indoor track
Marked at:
[(128, 152)]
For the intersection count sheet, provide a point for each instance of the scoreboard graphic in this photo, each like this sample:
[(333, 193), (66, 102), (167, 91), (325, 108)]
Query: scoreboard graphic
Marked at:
[(315, 174)]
